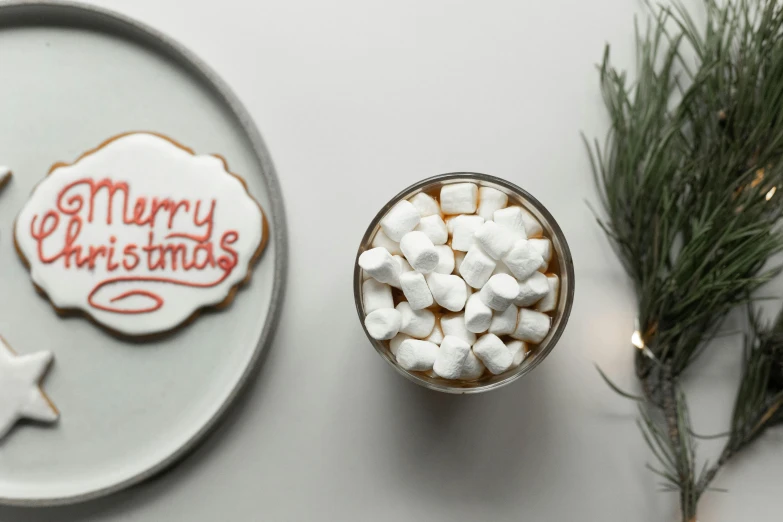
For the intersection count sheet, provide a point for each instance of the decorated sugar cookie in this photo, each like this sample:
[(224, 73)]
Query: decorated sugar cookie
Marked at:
[(140, 234), (21, 396)]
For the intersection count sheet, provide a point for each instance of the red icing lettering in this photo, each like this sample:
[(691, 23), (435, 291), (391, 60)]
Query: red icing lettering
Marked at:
[(228, 262), (111, 266), (95, 251), (175, 208), (155, 208), (73, 204), (43, 232), (150, 249), (130, 251), (138, 210), (209, 257), (59, 234)]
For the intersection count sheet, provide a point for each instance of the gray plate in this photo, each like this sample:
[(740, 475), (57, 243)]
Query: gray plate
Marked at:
[(72, 76)]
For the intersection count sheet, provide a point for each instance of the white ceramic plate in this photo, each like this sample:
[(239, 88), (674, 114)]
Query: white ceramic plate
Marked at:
[(73, 76)]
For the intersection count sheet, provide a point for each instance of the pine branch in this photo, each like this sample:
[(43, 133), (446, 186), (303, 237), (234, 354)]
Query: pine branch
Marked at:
[(688, 177), (759, 402)]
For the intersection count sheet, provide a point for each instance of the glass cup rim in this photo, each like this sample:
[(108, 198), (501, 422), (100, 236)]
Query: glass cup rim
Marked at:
[(564, 253)]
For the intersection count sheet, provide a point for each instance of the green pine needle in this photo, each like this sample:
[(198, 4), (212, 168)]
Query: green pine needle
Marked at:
[(690, 178)]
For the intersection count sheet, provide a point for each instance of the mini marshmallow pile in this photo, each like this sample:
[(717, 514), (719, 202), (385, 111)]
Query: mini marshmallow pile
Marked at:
[(472, 288)]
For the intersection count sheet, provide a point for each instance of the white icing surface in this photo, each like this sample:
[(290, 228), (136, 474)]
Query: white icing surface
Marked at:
[(153, 168), (20, 394)]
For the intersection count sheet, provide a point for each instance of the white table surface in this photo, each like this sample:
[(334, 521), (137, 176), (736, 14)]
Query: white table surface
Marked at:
[(356, 100)]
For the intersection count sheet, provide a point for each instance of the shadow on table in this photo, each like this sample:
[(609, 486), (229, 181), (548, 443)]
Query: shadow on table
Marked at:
[(489, 447)]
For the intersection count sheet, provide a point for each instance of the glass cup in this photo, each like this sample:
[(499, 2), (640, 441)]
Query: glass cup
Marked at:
[(562, 264)]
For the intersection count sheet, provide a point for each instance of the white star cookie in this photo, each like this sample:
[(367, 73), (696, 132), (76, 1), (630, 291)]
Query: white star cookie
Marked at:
[(21, 395)]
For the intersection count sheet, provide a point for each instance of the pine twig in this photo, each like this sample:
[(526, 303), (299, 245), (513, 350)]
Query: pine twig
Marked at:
[(688, 178)]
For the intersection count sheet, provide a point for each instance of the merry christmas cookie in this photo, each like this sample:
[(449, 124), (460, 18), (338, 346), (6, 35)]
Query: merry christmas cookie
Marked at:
[(140, 234), (21, 396)]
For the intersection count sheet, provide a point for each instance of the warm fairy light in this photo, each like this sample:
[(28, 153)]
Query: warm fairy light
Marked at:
[(636, 339), (758, 179), (771, 193)]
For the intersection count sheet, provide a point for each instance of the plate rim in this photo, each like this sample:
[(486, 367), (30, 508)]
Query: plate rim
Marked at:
[(162, 43)]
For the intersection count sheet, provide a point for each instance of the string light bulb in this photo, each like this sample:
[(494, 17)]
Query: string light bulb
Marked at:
[(771, 193), (636, 339)]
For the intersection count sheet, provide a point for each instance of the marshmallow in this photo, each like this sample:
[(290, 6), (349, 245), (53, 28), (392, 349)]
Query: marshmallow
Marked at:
[(477, 314), (451, 357), (458, 258), (437, 334), (493, 353), (383, 241), (464, 228), (383, 324), (376, 295), (419, 251), (543, 247), (454, 325), (549, 301), (518, 351), (494, 239), (532, 326), (404, 267), (416, 323), (416, 291), (499, 292), (449, 291), (425, 204), (396, 341), (532, 227), (459, 198), (490, 200), (400, 219), (532, 289), (501, 268), (472, 369), (449, 220), (445, 260), (512, 219), (380, 264), (416, 356), (434, 228), (505, 322), (523, 259), (477, 267)]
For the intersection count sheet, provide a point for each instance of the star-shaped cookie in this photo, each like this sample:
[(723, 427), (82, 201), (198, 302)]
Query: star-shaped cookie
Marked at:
[(21, 395)]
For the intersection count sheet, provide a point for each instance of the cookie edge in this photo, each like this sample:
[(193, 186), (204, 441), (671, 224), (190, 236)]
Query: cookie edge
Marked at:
[(41, 380)]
